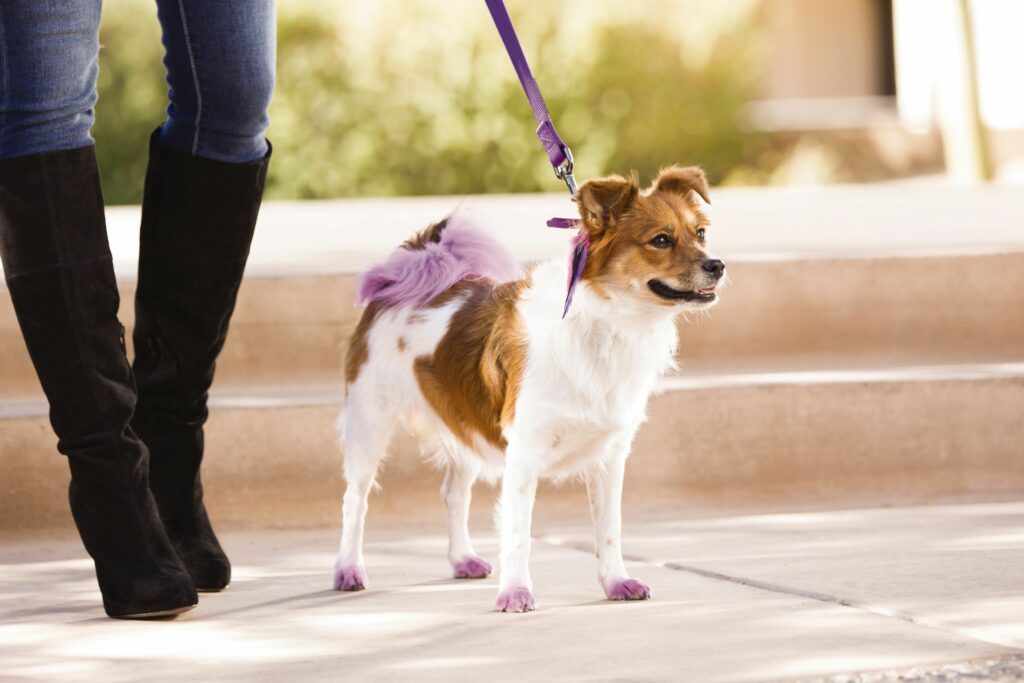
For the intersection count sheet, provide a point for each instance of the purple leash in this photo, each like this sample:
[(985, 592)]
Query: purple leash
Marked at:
[(558, 152)]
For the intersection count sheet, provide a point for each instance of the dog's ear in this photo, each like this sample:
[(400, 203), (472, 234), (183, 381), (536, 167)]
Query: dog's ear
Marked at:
[(682, 181), (602, 201)]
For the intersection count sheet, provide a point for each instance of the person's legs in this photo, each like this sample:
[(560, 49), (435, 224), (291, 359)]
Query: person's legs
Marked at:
[(57, 267), (207, 167), (220, 68), (48, 65)]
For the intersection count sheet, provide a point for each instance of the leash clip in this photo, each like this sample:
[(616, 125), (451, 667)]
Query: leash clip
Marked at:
[(564, 171)]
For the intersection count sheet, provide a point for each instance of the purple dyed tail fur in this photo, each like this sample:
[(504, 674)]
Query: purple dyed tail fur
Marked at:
[(423, 268)]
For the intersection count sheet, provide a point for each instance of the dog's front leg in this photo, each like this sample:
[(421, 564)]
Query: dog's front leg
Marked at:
[(604, 489), (518, 490)]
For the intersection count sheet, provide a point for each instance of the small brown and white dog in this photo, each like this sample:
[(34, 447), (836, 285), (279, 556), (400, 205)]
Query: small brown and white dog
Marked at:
[(478, 362)]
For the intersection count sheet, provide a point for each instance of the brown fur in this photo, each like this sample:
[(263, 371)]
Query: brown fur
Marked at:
[(682, 181), (460, 288), (424, 237), (621, 221), (473, 378), (358, 348)]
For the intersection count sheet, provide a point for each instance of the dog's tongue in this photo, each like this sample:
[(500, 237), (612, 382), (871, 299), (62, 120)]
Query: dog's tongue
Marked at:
[(708, 290)]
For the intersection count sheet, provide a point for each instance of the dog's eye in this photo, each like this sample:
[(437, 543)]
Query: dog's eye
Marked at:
[(700, 234), (662, 241)]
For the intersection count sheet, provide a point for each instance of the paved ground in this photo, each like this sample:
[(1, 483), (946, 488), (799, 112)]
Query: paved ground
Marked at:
[(1009, 669), (929, 593)]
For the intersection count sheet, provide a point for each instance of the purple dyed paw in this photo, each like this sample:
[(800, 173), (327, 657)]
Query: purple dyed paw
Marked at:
[(351, 578), (471, 567), (517, 599), (629, 589)]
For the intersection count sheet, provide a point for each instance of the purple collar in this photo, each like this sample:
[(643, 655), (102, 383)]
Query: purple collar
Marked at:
[(580, 248)]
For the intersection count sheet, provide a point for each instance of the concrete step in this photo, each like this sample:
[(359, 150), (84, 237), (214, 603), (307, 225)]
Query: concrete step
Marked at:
[(826, 277), (775, 315), (728, 440)]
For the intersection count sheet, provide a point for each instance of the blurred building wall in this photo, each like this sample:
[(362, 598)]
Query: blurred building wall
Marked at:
[(893, 67), (930, 93), (925, 29), (826, 49)]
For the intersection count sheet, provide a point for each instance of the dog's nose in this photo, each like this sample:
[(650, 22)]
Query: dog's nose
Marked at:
[(714, 266)]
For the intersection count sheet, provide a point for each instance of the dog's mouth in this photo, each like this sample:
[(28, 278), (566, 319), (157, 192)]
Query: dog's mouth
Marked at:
[(665, 292)]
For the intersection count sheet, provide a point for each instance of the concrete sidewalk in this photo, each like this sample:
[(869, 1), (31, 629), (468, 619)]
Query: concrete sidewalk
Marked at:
[(751, 598)]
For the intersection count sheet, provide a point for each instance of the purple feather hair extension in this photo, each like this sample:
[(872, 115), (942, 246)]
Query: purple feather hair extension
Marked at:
[(417, 275)]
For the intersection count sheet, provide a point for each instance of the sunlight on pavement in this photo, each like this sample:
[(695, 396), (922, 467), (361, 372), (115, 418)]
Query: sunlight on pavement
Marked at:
[(203, 641), (443, 663)]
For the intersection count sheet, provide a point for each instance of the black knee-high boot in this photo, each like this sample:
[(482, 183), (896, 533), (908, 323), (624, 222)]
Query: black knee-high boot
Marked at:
[(198, 218), (57, 264)]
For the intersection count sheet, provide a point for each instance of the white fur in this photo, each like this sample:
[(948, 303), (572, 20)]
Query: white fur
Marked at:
[(582, 397)]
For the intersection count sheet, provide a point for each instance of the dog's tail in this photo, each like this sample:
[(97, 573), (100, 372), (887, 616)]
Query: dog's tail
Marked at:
[(433, 260)]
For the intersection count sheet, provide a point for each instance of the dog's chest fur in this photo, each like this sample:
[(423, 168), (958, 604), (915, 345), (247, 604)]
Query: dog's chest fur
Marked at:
[(588, 377)]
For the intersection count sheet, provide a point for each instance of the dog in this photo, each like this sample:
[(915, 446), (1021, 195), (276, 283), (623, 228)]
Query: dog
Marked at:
[(476, 359)]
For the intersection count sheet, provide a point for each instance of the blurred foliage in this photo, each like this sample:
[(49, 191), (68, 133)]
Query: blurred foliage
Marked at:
[(133, 97), (418, 97)]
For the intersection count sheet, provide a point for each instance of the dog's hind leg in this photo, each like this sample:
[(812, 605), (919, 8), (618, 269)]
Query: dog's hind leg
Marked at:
[(366, 430), (457, 491)]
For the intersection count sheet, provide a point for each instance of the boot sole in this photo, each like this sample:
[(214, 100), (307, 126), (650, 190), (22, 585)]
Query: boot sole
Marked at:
[(158, 614), (211, 590)]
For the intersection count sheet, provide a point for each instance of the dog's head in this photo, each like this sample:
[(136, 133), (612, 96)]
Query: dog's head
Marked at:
[(650, 247)]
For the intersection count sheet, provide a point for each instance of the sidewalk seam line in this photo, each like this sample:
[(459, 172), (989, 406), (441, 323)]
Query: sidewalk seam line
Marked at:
[(826, 598)]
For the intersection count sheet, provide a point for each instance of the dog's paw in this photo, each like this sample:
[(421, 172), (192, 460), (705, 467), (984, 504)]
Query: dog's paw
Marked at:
[(471, 567), (628, 589), (517, 599), (350, 578)]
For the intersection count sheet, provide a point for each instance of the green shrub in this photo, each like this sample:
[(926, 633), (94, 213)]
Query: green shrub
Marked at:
[(133, 96), (419, 97)]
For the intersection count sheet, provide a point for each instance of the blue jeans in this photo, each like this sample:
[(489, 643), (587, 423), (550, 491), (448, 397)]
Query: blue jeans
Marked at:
[(219, 56)]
